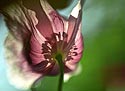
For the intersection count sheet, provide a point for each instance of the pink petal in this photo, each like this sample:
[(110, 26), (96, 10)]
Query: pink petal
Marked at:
[(36, 51), (75, 39), (44, 28), (70, 65), (79, 45), (56, 21), (71, 24)]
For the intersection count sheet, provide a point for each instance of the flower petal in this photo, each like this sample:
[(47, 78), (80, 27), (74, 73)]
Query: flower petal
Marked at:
[(75, 30), (58, 23), (72, 20), (44, 25), (75, 43), (79, 49), (20, 73), (75, 72), (71, 25), (17, 46), (79, 44), (35, 51)]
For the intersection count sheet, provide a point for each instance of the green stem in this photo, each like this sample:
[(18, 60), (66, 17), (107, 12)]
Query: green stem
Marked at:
[(60, 62)]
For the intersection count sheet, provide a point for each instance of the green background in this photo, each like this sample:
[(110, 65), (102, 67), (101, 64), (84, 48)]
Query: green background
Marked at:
[(103, 28)]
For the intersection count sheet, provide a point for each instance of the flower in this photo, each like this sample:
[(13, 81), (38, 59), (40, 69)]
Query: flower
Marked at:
[(37, 36)]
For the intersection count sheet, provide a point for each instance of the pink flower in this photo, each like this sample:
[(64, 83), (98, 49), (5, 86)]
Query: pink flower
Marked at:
[(37, 35)]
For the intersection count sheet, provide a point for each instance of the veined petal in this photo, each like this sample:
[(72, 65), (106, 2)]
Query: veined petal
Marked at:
[(55, 19), (72, 20), (75, 53), (79, 45), (71, 25), (75, 40), (79, 41), (36, 51), (18, 27), (75, 23), (44, 25)]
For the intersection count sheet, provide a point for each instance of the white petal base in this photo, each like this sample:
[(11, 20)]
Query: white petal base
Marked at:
[(18, 71), (76, 72)]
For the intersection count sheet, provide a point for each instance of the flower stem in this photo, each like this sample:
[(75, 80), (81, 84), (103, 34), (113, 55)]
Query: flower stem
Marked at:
[(61, 66)]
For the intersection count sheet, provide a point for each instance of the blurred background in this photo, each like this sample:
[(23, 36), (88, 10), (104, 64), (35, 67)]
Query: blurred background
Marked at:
[(103, 61)]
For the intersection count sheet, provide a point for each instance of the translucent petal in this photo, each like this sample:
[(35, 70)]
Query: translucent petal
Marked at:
[(76, 72), (19, 72), (58, 23)]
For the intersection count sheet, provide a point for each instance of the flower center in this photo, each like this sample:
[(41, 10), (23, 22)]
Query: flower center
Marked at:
[(53, 48), (54, 53), (58, 57)]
